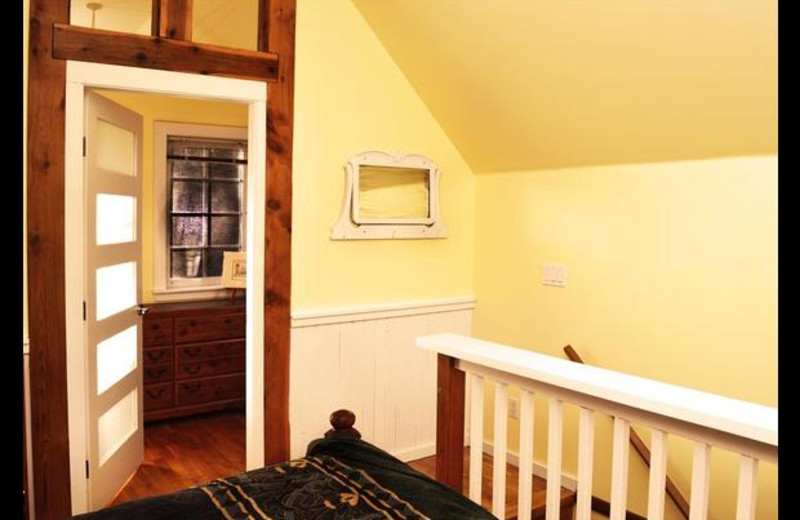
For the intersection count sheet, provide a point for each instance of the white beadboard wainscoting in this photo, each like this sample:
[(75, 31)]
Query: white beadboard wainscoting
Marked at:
[(365, 359)]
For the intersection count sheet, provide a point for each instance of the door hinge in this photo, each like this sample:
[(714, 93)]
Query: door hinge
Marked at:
[(87, 469), (84, 146), (84, 311)]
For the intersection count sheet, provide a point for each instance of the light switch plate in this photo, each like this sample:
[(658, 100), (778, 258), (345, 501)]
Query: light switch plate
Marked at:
[(554, 275)]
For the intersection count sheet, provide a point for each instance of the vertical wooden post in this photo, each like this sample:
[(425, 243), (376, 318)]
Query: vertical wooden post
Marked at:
[(155, 17), (45, 240), (619, 469), (263, 24), (450, 387), (525, 497), (500, 452), (555, 444), (276, 34), (172, 19), (583, 507), (476, 438)]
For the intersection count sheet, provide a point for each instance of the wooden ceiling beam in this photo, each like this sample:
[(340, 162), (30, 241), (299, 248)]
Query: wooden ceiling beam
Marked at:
[(172, 19), (116, 48)]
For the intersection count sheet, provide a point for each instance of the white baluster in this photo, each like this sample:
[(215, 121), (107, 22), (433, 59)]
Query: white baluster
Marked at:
[(499, 454), (619, 469), (525, 499), (658, 475), (585, 463), (748, 484), (554, 441), (476, 439), (701, 468)]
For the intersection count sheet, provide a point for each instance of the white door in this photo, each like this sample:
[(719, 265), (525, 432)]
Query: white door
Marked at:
[(113, 151)]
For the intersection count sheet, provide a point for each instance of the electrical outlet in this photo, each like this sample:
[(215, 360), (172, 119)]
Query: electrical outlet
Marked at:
[(513, 407)]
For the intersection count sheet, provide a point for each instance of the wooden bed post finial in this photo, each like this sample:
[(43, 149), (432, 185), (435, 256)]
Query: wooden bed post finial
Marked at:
[(342, 422)]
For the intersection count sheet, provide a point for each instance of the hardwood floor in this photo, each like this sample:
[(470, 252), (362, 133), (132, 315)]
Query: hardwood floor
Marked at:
[(428, 467), (180, 453)]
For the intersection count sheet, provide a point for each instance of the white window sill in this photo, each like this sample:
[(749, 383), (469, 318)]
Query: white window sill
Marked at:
[(201, 292)]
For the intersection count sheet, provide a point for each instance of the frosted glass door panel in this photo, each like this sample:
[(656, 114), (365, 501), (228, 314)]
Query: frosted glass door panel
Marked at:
[(116, 217), (116, 358), (115, 148), (116, 425), (113, 328), (116, 289)]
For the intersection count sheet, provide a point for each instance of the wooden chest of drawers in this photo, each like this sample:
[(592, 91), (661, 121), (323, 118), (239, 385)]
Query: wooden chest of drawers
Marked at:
[(193, 358)]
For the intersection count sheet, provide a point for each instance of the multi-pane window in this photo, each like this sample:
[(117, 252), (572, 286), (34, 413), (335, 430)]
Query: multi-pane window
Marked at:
[(205, 204)]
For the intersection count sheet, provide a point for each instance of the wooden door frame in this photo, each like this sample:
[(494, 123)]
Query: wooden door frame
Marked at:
[(82, 76), (46, 225)]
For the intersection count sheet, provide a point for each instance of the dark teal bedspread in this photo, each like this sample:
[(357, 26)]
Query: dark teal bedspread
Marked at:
[(338, 479)]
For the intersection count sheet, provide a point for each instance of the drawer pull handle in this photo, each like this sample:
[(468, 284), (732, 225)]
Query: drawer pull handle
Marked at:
[(155, 395), (192, 352), (191, 369), (155, 356), (156, 373), (192, 387)]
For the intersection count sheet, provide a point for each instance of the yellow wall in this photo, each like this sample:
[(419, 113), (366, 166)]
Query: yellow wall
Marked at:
[(164, 108), (351, 97), (671, 274)]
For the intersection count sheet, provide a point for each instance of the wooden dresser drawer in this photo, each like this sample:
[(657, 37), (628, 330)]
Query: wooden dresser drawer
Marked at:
[(194, 358), (157, 332), (210, 389), (210, 367), (205, 351), (158, 396), (157, 356), (157, 373), (207, 328)]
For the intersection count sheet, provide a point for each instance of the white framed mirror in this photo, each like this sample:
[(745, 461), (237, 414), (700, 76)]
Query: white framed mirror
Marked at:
[(390, 196)]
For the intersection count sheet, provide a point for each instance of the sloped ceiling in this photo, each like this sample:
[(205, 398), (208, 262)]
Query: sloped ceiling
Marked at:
[(528, 84)]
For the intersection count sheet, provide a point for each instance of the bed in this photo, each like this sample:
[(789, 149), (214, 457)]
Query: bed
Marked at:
[(341, 478)]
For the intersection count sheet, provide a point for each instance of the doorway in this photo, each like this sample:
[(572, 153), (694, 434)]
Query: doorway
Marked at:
[(81, 353)]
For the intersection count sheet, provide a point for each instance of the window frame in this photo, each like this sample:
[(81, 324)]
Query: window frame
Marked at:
[(165, 288)]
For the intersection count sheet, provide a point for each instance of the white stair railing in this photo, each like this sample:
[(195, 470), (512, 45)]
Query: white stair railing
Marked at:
[(709, 420)]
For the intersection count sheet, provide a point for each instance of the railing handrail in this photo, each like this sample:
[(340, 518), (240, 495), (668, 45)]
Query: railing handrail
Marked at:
[(739, 418)]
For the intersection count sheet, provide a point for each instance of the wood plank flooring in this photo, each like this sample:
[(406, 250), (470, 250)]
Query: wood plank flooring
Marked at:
[(428, 467), (180, 453)]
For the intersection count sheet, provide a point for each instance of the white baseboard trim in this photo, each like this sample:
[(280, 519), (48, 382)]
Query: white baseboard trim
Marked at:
[(378, 311), (539, 470), (418, 452)]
